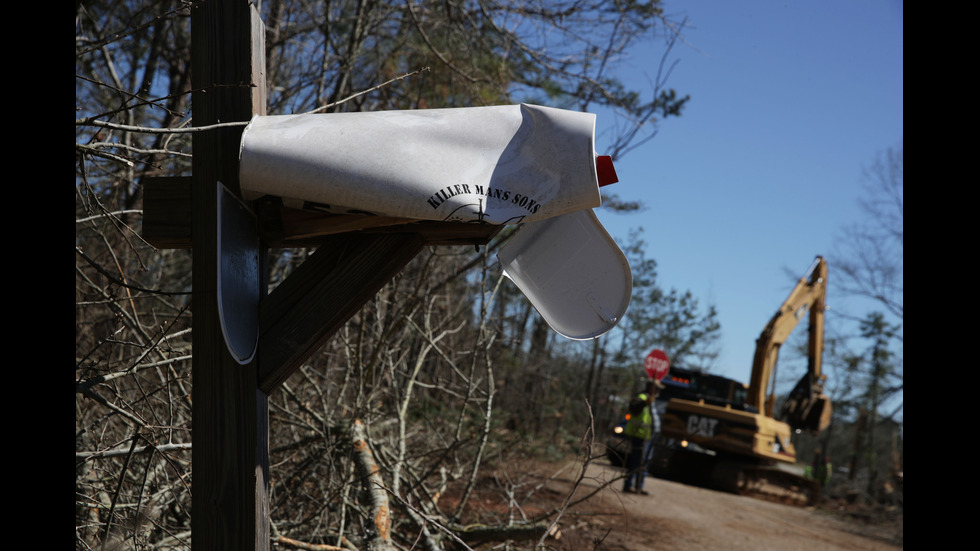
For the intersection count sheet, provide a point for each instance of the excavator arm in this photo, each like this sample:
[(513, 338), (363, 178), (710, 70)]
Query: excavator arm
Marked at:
[(807, 408)]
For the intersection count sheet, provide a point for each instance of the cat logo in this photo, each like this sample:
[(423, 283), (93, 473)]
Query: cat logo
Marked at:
[(701, 426)]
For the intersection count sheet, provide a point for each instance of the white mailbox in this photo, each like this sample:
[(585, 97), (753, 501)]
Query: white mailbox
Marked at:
[(510, 164)]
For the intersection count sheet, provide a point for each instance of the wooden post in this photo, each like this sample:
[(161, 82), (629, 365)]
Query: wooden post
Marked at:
[(230, 417)]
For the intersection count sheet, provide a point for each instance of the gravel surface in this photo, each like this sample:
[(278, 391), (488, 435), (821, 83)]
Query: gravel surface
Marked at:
[(677, 516)]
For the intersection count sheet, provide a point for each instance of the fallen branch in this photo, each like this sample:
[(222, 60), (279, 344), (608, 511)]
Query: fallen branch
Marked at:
[(276, 537), (379, 538), (588, 439), (283, 540), (479, 533)]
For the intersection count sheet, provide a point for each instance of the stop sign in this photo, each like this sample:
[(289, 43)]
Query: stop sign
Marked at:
[(657, 364)]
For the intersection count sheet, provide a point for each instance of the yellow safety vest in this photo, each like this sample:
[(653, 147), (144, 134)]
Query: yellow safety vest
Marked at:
[(640, 426)]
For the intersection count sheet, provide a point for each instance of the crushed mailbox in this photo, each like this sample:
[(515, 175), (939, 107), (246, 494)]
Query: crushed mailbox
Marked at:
[(513, 164)]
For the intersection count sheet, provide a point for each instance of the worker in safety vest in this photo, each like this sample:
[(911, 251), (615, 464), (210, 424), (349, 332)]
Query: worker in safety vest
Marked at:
[(639, 430), (821, 468)]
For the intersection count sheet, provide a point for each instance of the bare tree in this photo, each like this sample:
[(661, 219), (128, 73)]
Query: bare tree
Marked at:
[(867, 356), (870, 257), (871, 253)]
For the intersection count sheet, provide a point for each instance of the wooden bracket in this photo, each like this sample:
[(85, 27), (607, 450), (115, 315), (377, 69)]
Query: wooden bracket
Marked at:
[(167, 215)]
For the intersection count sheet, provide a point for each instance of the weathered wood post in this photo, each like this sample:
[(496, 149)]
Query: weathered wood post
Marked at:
[(230, 416)]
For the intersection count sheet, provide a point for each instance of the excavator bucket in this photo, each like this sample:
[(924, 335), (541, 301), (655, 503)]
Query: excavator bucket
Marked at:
[(819, 415), (810, 414)]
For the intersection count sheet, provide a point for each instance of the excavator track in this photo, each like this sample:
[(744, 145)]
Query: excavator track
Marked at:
[(758, 480), (773, 484)]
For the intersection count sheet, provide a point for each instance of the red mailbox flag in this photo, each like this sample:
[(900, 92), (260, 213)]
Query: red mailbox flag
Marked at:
[(657, 364)]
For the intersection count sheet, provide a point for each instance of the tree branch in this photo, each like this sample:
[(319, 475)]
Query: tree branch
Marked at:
[(380, 534)]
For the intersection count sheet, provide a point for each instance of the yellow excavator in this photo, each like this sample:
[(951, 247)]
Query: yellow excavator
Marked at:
[(742, 446)]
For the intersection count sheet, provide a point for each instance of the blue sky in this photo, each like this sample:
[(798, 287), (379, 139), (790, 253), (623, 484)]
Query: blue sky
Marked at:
[(790, 102)]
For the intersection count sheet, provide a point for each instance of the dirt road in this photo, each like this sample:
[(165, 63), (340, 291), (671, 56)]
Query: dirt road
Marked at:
[(675, 516)]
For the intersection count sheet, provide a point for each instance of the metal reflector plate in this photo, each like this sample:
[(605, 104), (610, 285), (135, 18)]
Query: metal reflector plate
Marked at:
[(238, 276)]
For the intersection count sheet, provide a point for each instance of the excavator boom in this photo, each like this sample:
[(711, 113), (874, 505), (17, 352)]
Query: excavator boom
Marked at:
[(807, 408)]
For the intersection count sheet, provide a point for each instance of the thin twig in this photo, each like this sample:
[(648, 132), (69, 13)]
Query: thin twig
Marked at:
[(85, 456), (369, 90), (148, 130), (432, 521), (122, 283), (588, 439), (115, 497)]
